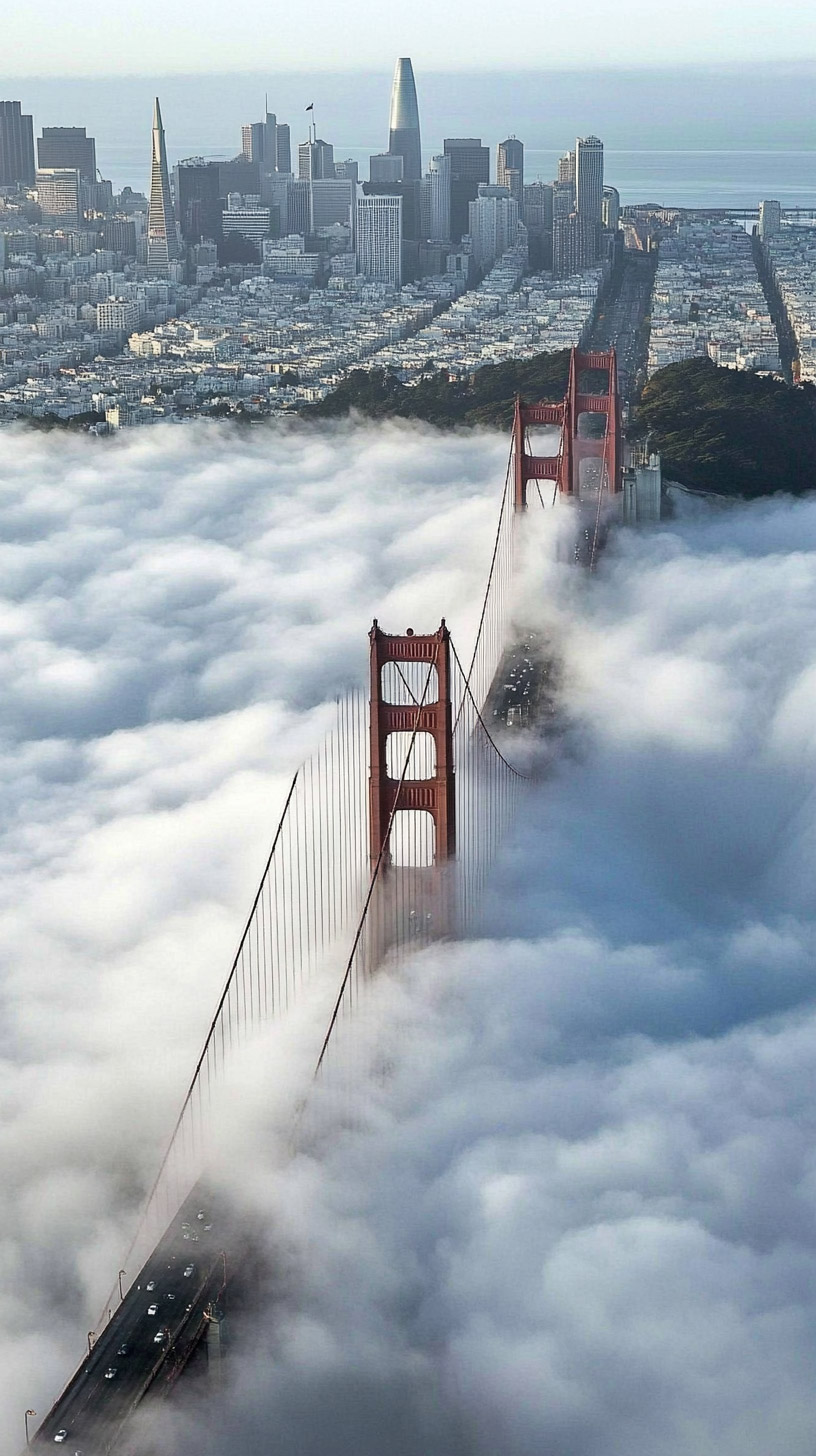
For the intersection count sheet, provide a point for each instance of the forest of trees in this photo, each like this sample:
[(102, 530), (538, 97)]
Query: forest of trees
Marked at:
[(729, 430), (483, 398), (721, 430)]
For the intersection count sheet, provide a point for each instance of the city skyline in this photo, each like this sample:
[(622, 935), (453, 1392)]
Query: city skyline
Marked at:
[(279, 215)]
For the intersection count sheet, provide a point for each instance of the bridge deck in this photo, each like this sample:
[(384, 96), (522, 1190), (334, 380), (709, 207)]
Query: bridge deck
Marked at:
[(93, 1409)]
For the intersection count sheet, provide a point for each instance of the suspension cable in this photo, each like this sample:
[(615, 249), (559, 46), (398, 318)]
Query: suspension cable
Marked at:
[(517, 772), (601, 487), (494, 558), (376, 870)]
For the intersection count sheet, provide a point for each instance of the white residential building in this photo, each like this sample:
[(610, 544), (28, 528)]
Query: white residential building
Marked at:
[(493, 224), (379, 238)]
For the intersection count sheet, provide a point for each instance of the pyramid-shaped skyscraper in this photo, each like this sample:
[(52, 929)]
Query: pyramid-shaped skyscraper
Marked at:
[(162, 237)]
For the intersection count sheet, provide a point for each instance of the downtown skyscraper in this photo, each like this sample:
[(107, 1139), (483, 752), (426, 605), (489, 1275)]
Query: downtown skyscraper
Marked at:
[(16, 146), (162, 238), (589, 178), (403, 134), (510, 168)]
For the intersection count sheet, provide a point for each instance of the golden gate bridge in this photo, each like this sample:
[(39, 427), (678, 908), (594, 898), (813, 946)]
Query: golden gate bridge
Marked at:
[(383, 845)]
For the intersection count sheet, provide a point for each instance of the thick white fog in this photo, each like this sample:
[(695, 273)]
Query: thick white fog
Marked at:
[(578, 1216), (176, 607)]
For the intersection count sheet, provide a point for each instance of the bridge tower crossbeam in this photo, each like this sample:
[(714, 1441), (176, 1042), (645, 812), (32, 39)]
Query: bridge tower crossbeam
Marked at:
[(565, 468)]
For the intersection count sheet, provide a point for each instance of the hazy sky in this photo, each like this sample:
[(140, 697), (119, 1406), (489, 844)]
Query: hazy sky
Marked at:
[(158, 37)]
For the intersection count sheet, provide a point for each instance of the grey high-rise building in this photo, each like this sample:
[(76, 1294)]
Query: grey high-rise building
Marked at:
[(575, 244), (610, 215), (439, 198), (253, 136), (538, 220), (563, 198), (510, 168), (589, 170), (403, 127), (238, 175), (493, 224), (198, 205), (120, 235), (259, 142), (770, 218), (347, 171), (58, 194), (385, 168), (16, 146), (589, 186), (566, 167), (470, 165), (299, 206), (538, 205), (283, 146), (67, 146), (270, 142), (315, 160), (331, 201), (162, 238)]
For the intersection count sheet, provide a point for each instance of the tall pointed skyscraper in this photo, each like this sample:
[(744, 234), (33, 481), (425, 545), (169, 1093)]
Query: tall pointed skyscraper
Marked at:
[(162, 238), (403, 140)]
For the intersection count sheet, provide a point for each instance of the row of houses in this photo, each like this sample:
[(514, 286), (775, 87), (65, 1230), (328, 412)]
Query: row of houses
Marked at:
[(708, 300)]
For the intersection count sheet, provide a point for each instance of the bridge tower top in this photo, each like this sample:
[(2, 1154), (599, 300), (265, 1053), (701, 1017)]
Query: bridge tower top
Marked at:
[(576, 445)]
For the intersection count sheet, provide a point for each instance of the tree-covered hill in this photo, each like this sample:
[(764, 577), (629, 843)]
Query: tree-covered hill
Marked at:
[(731, 431), (721, 430), (484, 398)]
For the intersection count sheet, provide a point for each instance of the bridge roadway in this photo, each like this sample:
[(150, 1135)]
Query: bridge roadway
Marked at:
[(93, 1408)]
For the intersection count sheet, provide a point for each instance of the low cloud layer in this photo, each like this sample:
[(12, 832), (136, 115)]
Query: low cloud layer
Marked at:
[(178, 609), (578, 1214)]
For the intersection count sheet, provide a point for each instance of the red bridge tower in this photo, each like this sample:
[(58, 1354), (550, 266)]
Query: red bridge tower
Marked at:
[(565, 467)]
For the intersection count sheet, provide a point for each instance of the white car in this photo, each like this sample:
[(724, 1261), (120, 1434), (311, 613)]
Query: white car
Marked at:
[(152, 1309), (189, 1270), (151, 1286), (61, 1436), (158, 1338), (111, 1373)]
